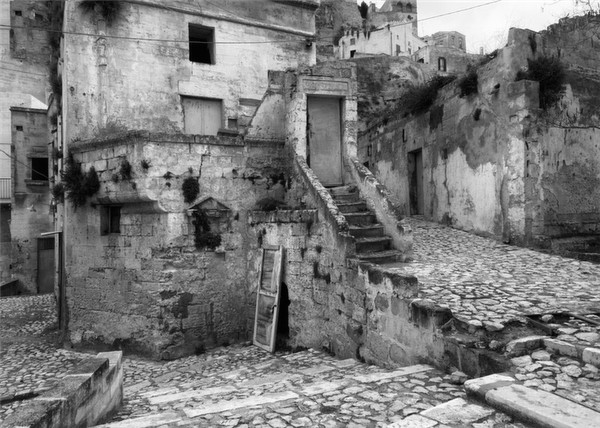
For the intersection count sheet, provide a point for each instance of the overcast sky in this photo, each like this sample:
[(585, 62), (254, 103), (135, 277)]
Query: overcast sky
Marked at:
[(488, 25)]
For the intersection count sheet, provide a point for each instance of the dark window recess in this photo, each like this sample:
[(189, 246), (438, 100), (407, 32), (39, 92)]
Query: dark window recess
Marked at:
[(39, 169), (442, 63), (352, 53), (18, 13), (202, 44), (19, 128), (110, 220)]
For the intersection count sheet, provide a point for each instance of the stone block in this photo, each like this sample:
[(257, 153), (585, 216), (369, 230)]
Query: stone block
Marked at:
[(560, 347), (522, 346), (591, 356)]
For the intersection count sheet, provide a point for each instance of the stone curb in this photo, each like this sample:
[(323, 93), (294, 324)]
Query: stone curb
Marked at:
[(523, 346), (540, 408)]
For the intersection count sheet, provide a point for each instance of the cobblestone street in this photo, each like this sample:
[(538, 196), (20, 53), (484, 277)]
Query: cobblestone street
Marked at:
[(486, 284), (489, 284)]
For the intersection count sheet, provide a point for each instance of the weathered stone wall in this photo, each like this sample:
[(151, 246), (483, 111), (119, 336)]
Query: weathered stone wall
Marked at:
[(129, 82), (493, 162), (456, 61), (472, 150), (562, 182), (30, 204), (331, 16), (148, 287)]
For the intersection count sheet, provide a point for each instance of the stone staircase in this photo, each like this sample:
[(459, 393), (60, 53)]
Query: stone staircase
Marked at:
[(584, 247), (372, 245)]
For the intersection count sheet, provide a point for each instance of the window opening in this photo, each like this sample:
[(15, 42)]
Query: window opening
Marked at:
[(18, 13), (39, 169), (352, 41), (352, 52), (19, 128), (110, 219), (442, 63), (202, 44)]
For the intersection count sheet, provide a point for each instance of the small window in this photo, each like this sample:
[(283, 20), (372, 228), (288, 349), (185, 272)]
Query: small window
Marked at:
[(352, 52), (442, 63), (352, 41), (398, 50), (18, 13), (19, 128), (202, 44), (409, 8), (39, 169), (110, 219)]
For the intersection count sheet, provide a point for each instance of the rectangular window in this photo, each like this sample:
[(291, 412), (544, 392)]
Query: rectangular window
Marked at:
[(110, 220), (352, 53), (39, 169), (202, 44), (352, 41)]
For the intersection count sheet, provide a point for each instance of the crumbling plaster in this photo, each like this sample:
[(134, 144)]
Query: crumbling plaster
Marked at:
[(108, 78)]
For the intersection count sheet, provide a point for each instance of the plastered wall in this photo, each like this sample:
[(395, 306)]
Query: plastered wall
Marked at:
[(113, 84)]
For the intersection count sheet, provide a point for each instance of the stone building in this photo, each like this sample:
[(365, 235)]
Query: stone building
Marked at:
[(32, 256), (395, 39), (496, 161), (394, 11), (447, 39), (24, 60), (162, 245)]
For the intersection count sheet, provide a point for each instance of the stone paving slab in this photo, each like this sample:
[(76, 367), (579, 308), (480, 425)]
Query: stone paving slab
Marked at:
[(540, 407), (489, 284)]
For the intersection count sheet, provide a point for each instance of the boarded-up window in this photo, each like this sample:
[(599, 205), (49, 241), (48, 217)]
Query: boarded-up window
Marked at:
[(202, 116)]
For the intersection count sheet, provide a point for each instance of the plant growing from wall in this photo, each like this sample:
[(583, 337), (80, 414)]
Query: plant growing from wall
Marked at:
[(125, 170), (78, 185), (191, 189), (204, 238), (550, 73), (58, 192), (419, 98), (468, 83), (55, 16), (108, 9), (145, 164)]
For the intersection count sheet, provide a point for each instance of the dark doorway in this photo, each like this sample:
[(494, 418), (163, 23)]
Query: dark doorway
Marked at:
[(415, 182), (283, 328), (46, 265)]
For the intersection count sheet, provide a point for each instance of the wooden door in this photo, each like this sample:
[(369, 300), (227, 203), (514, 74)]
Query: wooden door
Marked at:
[(267, 298), (202, 116), (416, 193), (325, 139), (45, 265)]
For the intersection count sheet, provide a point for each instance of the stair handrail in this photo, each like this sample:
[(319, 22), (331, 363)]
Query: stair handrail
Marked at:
[(327, 206)]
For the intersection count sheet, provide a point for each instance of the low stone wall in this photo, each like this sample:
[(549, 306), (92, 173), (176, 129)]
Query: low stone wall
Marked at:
[(86, 396)]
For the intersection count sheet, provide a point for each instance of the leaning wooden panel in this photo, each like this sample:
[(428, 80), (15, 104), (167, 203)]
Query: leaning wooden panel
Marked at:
[(267, 298)]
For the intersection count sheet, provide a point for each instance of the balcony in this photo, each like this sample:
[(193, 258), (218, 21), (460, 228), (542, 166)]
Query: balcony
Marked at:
[(5, 190)]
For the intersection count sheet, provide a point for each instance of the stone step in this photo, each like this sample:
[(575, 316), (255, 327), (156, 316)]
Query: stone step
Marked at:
[(346, 198), (379, 243), (352, 207), (538, 407), (381, 257), (583, 244), (360, 218), (366, 231), (584, 256), (343, 190)]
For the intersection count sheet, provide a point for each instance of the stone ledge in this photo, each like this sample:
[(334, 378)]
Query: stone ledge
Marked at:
[(282, 216), (88, 394)]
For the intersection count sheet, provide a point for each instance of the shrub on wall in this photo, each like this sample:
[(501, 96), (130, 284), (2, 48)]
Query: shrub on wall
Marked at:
[(125, 170), (550, 73), (78, 185), (204, 238), (419, 98), (191, 189), (468, 83)]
